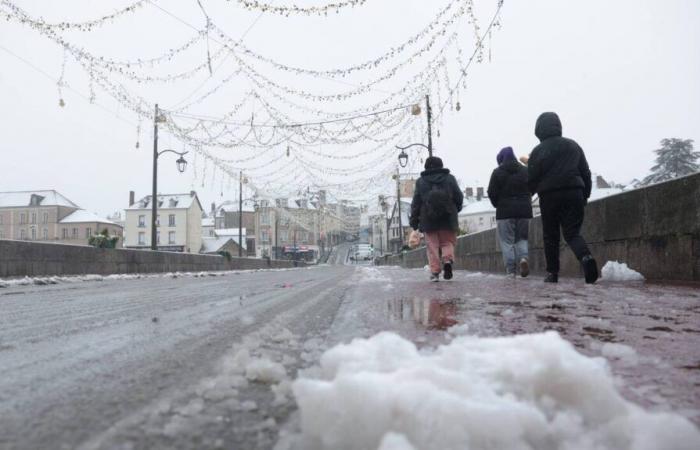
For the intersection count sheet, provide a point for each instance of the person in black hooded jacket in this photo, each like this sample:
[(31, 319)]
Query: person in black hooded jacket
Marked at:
[(509, 194), (558, 172), (436, 202)]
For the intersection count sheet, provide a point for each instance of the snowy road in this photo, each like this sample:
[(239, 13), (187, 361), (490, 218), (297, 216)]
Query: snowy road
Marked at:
[(207, 362)]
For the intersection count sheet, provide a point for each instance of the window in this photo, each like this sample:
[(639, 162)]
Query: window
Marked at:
[(75, 233), (142, 238), (211, 233), (0, 219), (88, 233), (45, 234), (265, 218), (22, 218), (23, 234), (158, 237), (265, 236), (64, 233), (2, 236), (33, 217), (284, 235), (171, 237), (33, 234), (171, 220), (46, 217), (142, 221), (157, 220)]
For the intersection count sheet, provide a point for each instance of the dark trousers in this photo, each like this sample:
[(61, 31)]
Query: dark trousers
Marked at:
[(562, 209)]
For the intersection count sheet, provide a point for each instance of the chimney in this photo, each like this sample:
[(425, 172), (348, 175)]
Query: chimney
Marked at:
[(131, 197), (479, 194), (469, 192), (213, 209), (192, 193), (600, 183)]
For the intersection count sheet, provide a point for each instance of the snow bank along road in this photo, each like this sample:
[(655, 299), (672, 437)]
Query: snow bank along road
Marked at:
[(267, 360)]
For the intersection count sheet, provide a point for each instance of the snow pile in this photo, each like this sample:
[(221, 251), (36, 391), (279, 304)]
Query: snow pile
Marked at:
[(524, 392), (265, 371), (42, 281), (615, 271)]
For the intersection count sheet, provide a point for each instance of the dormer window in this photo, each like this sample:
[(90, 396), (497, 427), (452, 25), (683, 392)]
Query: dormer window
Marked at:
[(173, 203), (35, 200)]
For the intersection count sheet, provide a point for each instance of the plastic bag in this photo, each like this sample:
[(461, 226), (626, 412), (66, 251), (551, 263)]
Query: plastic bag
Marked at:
[(414, 239)]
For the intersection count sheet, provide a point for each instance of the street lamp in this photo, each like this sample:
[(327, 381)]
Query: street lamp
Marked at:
[(181, 166), (416, 111), (403, 158)]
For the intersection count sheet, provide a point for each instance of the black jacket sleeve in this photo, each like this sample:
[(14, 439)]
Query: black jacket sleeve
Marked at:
[(534, 171), (585, 172), (416, 204), (457, 194), (494, 188)]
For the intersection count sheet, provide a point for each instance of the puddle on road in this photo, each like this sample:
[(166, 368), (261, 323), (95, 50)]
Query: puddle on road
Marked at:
[(432, 314)]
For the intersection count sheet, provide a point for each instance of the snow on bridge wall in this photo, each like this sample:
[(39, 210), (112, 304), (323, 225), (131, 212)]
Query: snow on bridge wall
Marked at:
[(655, 230), (22, 258)]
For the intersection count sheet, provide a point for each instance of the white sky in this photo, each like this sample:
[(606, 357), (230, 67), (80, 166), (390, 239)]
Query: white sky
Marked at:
[(622, 75)]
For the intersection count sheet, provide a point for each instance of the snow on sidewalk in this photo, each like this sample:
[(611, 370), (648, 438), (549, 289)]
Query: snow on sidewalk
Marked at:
[(616, 271), (41, 281), (524, 392)]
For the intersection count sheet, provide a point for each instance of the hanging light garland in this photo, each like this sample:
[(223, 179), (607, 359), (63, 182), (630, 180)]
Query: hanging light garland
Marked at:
[(86, 26), (324, 10)]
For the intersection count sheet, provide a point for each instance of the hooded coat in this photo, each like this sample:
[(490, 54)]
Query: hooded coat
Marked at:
[(557, 163), (508, 191), (428, 179)]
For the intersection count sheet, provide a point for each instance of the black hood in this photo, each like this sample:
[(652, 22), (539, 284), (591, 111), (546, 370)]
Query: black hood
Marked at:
[(435, 176), (548, 125), (511, 166)]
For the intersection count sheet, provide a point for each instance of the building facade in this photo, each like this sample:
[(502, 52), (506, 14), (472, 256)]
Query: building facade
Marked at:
[(178, 222), (48, 216)]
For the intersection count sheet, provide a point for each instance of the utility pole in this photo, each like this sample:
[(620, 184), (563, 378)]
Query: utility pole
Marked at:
[(429, 113), (277, 221), (240, 214), (154, 196), (398, 201), (295, 245)]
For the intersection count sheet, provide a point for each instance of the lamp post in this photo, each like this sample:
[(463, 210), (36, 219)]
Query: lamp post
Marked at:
[(398, 202), (181, 166), (429, 113), (241, 181)]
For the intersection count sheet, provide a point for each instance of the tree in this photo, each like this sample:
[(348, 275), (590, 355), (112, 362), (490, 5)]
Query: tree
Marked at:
[(675, 158)]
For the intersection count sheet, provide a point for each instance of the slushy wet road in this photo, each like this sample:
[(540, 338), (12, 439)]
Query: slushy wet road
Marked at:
[(205, 362)]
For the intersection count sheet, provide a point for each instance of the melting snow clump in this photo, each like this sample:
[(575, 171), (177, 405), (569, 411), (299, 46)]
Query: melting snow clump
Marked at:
[(615, 271), (265, 371), (525, 392)]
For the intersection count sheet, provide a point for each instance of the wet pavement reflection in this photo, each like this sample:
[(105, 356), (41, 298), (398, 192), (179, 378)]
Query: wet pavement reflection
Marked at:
[(658, 325)]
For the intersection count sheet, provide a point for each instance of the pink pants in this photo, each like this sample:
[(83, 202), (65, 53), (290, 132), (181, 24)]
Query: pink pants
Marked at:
[(442, 241)]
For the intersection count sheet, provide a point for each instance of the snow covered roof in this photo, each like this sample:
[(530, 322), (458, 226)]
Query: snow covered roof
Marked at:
[(231, 232), (214, 244), (208, 222), (167, 201), (82, 216), (300, 203), (477, 207), (232, 206), (43, 198), (605, 192)]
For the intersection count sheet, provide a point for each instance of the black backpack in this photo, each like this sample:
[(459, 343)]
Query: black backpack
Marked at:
[(438, 203)]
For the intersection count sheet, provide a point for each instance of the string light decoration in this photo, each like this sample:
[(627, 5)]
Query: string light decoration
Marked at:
[(287, 11), (271, 145), (85, 26)]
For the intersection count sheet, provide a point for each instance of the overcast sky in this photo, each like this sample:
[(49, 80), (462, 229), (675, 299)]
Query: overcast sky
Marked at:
[(621, 74)]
